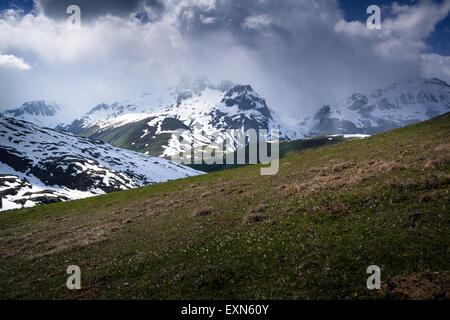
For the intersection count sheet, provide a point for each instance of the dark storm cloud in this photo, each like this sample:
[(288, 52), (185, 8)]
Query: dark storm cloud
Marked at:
[(298, 54), (144, 10), (301, 61), (302, 54), (236, 17)]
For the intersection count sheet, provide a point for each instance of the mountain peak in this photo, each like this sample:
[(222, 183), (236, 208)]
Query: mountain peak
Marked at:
[(117, 108), (437, 81), (415, 83), (40, 112), (189, 87), (36, 108), (245, 98), (239, 89), (403, 102)]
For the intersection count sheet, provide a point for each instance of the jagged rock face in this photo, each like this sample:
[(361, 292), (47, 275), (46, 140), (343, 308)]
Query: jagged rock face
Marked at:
[(42, 165), (247, 110), (402, 103)]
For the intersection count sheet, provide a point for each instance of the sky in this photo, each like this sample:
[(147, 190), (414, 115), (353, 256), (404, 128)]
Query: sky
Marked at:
[(297, 54)]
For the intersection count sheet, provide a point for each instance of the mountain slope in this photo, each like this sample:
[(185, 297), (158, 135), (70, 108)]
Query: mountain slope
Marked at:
[(42, 165), (309, 232), (402, 103), (39, 112), (204, 111)]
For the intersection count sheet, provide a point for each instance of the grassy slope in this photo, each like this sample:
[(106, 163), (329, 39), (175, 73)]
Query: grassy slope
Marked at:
[(326, 216), (124, 136), (286, 148)]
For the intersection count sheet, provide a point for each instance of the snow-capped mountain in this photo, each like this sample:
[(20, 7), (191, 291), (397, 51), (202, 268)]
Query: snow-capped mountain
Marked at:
[(40, 165), (40, 112), (209, 112), (402, 103), (205, 111)]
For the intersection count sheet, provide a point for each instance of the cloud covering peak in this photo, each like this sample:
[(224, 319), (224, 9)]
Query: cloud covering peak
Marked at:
[(298, 54)]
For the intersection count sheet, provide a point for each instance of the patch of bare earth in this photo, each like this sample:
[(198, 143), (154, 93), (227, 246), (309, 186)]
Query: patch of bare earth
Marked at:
[(426, 285)]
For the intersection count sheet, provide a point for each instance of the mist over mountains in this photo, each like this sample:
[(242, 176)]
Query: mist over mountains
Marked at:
[(399, 104), (116, 146), (205, 111)]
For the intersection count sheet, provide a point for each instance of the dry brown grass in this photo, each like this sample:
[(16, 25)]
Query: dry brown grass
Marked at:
[(315, 169), (390, 166), (433, 180), (288, 164), (205, 194), (333, 208), (443, 147), (341, 166), (291, 189), (309, 187), (337, 176), (203, 211), (403, 184), (253, 217), (81, 239), (438, 161), (258, 208), (427, 285), (428, 197)]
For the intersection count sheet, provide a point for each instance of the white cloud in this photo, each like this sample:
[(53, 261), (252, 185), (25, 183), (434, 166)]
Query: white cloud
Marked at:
[(402, 35), (207, 20), (435, 65), (297, 54), (13, 62), (257, 22), (107, 60)]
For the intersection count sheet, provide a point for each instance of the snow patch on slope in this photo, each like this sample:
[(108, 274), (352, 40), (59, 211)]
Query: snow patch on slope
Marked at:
[(72, 167)]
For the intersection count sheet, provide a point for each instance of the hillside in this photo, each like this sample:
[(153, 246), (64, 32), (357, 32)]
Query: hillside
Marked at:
[(285, 148), (309, 232), (40, 112), (40, 165), (204, 111), (404, 102)]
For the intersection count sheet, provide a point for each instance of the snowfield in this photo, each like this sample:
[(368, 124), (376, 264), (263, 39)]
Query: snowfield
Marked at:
[(402, 103), (54, 166)]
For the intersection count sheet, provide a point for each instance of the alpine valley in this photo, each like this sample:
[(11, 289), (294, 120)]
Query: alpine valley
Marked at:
[(46, 157), (206, 111)]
